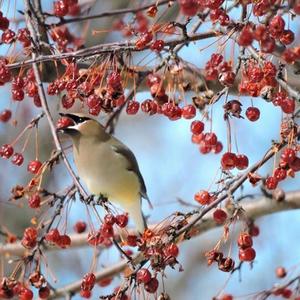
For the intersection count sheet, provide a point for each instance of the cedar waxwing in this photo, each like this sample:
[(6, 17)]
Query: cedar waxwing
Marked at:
[(107, 166)]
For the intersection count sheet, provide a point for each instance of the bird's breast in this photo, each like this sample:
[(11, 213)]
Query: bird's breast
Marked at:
[(105, 171)]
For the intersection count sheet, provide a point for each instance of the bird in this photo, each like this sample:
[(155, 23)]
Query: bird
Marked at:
[(107, 166)]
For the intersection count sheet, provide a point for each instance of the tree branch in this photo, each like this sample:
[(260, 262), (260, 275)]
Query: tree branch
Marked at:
[(253, 209)]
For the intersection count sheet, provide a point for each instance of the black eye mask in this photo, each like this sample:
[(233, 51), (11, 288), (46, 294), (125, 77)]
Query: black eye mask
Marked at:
[(75, 118)]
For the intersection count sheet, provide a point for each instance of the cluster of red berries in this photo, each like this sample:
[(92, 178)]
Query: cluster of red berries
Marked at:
[(26, 85), (61, 240), (208, 142), (62, 8), (159, 252), (217, 68), (191, 7), (64, 39), (288, 165), (266, 35), (146, 38), (255, 78), (245, 243), (230, 161), (87, 284), (286, 103), (143, 276), (10, 288), (106, 232), (9, 36), (7, 151), (29, 239)]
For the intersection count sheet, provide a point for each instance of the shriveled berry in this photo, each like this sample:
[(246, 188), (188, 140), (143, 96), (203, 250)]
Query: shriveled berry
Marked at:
[(151, 286), (171, 250), (280, 174), (132, 107), (288, 155), (44, 292)]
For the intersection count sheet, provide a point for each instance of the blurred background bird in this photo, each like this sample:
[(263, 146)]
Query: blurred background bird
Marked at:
[(107, 166)]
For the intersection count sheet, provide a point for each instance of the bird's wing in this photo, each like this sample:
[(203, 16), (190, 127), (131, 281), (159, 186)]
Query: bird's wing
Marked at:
[(133, 166)]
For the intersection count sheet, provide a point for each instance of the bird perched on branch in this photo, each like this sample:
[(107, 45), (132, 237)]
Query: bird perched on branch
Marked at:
[(107, 166)]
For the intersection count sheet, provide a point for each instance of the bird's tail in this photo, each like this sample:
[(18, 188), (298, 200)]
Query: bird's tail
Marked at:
[(134, 210)]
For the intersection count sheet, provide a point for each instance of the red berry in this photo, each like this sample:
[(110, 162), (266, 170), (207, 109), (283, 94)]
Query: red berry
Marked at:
[(44, 292), (107, 231), (171, 250), (271, 183), (34, 166), (34, 201), (217, 148), (74, 10), (189, 7), (5, 115), (122, 220), (267, 45), (242, 161), (197, 127), (64, 122), (18, 95), (288, 155), (189, 111), (143, 276), (276, 26), (88, 281), (288, 105), (85, 294), (228, 161), (203, 197), (280, 174), (60, 8), (105, 282), (8, 36), (25, 294), (245, 240), (157, 45), (287, 293), (246, 37), (254, 230), (151, 286), (226, 297), (295, 164), (17, 159), (93, 101), (53, 236), (80, 227), (64, 241), (287, 37), (247, 254), (280, 272), (6, 151), (252, 113), (210, 139), (132, 107), (219, 216), (67, 101), (4, 23)]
